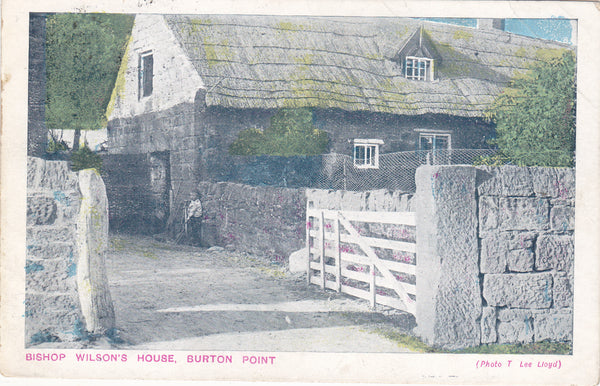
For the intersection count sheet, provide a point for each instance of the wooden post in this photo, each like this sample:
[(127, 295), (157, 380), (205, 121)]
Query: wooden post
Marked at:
[(308, 229), (372, 284), (338, 253), (322, 233)]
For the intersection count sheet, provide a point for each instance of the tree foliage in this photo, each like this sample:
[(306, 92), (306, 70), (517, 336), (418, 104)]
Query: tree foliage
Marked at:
[(83, 54), (535, 115), (291, 132), (85, 158)]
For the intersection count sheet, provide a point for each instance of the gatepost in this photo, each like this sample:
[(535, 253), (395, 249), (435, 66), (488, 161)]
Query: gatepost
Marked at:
[(448, 289)]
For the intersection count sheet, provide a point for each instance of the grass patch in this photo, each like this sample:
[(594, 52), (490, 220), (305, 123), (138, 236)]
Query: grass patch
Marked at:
[(518, 348), (117, 244), (417, 345), (403, 340)]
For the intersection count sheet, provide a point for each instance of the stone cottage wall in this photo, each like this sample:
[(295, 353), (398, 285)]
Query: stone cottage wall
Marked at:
[(494, 254), (170, 132), (526, 225), (66, 294)]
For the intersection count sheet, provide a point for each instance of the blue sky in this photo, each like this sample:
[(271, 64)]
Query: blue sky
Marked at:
[(558, 29)]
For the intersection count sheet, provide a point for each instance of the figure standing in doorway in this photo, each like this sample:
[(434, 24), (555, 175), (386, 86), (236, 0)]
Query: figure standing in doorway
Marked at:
[(193, 220)]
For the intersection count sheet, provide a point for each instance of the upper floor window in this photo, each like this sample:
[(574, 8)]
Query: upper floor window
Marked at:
[(418, 68), (146, 70), (366, 153)]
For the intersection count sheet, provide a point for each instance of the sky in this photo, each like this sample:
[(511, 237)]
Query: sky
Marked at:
[(558, 29)]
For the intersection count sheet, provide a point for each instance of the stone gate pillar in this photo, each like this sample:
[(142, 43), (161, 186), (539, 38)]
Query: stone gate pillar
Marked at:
[(448, 289)]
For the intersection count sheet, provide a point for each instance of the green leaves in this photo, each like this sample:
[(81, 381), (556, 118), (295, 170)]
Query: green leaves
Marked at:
[(291, 133), (85, 158), (535, 114), (83, 54)]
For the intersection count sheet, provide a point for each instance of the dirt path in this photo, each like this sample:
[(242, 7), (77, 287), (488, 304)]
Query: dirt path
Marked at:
[(180, 297)]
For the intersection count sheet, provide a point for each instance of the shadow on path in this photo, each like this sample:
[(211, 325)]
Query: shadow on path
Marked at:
[(169, 293)]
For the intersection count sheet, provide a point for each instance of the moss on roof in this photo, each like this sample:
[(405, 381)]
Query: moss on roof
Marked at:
[(350, 63)]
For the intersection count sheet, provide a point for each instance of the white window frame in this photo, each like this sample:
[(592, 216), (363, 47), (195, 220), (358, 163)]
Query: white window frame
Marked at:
[(370, 153), (434, 135), (434, 154), (417, 68)]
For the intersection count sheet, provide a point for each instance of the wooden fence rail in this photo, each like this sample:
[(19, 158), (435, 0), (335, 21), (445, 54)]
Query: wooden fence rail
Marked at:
[(332, 256)]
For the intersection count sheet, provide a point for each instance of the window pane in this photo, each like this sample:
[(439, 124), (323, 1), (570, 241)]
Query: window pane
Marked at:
[(426, 142), (359, 155), (441, 143), (147, 70)]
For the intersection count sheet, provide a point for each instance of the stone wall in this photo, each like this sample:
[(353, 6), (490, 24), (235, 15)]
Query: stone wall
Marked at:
[(267, 221), (495, 254), (374, 200), (138, 190), (169, 133), (527, 218), (66, 295)]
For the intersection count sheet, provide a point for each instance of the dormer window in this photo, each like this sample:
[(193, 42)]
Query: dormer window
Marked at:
[(366, 153), (417, 57), (146, 70), (418, 68)]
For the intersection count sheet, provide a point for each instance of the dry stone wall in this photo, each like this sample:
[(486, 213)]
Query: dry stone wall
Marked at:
[(66, 295), (267, 221), (526, 235)]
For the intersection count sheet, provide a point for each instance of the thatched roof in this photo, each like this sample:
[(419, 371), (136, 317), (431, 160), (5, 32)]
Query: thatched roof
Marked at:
[(347, 63)]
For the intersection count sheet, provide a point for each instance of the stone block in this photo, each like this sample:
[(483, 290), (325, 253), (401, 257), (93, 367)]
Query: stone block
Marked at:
[(488, 325), (562, 202), (346, 200), (49, 234), (521, 240), (92, 244), (56, 250), (520, 290), (506, 181), (562, 218), (520, 260), (555, 326), (553, 182), (488, 182), (298, 261), (516, 213), (50, 275), (554, 252), (563, 290), (52, 315), (516, 181), (41, 210), (493, 254), (56, 175), (511, 314), (449, 308), (488, 213), (67, 203), (515, 331)]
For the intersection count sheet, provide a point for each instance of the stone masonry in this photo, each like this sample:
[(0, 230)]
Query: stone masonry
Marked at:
[(66, 297), (526, 233), (500, 241), (267, 221)]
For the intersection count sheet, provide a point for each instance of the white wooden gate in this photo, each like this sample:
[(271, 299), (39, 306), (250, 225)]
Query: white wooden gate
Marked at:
[(342, 259)]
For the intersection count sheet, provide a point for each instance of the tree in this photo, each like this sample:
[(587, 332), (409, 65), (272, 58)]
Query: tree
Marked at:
[(83, 55), (535, 115), (291, 132)]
